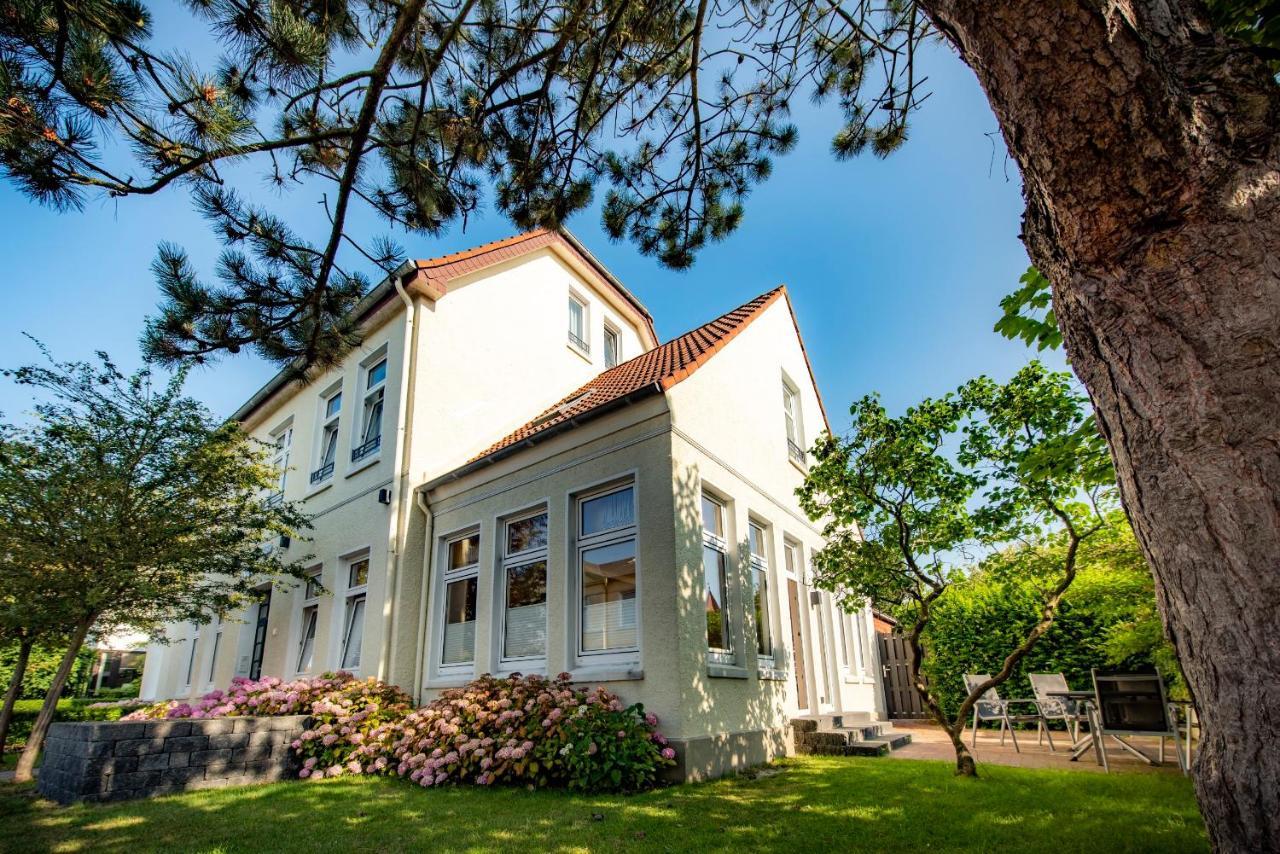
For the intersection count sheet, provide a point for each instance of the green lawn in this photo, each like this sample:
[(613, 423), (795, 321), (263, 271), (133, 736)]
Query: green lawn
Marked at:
[(810, 804)]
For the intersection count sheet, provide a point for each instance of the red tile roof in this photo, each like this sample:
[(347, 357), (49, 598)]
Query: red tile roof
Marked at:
[(661, 367)]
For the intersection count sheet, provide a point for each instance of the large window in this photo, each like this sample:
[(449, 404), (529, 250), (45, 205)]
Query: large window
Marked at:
[(795, 428), (607, 578), (310, 619), (330, 415), (462, 556), (612, 347), (369, 438), (353, 625), (760, 604), (578, 323), (524, 586), (715, 575)]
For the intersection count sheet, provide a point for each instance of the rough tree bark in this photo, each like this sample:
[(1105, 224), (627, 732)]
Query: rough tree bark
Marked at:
[(1150, 153), (35, 741), (15, 688)]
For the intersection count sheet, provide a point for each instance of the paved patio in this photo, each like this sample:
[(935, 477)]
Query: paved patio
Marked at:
[(929, 741)]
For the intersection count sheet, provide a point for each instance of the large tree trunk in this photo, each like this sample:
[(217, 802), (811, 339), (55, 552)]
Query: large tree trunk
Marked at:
[(27, 761), (15, 689), (1150, 153)]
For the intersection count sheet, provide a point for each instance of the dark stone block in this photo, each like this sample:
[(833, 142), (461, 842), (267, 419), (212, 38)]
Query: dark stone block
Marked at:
[(139, 746), (179, 760), (168, 729), (186, 744), (155, 761), (213, 726), (230, 739), (136, 781), (206, 757), (117, 731), (801, 725), (247, 724), (264, 738), (180, 777)]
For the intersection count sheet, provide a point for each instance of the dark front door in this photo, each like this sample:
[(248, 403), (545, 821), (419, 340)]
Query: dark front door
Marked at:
[(797, 646), (260, 636), (900, 694)]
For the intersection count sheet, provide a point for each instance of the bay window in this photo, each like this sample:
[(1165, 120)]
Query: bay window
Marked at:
[(607, 582), (524, 586)]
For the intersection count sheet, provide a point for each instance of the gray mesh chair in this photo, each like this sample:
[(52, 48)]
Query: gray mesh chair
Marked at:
[(990, 707), (1064, 709), (1130, 704)]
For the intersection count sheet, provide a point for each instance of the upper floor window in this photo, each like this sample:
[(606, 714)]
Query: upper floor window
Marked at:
[(612, 347), (281, 441), (715, 575), (760, 590), (524, 585), (795, 428), (330, 415), (462, 562), (353, 625), (607, 579), (369, 439), (578, 323)]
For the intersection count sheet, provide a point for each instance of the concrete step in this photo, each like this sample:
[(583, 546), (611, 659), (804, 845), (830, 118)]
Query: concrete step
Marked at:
[(878, 746)]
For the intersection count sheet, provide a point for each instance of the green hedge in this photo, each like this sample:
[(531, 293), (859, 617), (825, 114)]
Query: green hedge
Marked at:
[(25, 712)]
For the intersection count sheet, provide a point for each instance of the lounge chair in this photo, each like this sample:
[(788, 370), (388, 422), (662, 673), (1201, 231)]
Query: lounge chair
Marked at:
[(991, 707)]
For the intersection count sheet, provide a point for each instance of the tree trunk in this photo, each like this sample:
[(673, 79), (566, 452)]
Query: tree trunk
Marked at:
[(15, 689), (27, 762), (1150, 154)]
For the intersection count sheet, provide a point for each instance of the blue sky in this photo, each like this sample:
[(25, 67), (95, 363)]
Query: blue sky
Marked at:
[(896, 266)]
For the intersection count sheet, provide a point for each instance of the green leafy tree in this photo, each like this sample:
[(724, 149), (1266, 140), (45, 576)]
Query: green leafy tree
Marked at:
[(125, 504), (908, 500)]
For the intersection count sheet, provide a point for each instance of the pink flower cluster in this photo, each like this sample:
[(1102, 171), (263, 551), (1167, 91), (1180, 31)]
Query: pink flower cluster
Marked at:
[(267, 696), (352, 728)]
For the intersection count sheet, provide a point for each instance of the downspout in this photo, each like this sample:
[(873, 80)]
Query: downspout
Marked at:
[(408, 383), (420, 498)]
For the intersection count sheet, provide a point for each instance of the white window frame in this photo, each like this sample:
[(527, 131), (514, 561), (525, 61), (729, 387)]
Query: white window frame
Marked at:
[(329, 424), (445, 577), (719, 543), (191, 655), (579, 343), (612, 657), (371, 397), (282, 447), (793, 420), (356, 593), (213, 652), (309, 611), (760, 563), (510, 560), (611, 332)]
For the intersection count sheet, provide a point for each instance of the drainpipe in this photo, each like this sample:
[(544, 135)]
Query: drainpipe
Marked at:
[(403, 445), (420, 498)]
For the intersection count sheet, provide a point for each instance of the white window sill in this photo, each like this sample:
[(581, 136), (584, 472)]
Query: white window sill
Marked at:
[(619, 673), (450, 680), (800, 467), (367, 462), (726, 671), (573, 348)]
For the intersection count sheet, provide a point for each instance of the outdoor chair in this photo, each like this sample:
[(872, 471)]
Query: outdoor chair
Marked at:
[(1065, 709), (991, 707), (1132, 704)]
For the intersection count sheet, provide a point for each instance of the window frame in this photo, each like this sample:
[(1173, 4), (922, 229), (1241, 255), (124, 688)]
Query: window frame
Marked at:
[(579, 544), (191, 656), (759, 562), (280, 453), (447, 575), (309, 607), (354, 594), (720, 544), (611, 333), (329, 425), (507, 560), (793, 421), (579, 343), (213, 653), (364, 448)]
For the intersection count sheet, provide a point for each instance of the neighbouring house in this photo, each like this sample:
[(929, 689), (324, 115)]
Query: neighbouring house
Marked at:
[(117, 662), (511, 474)]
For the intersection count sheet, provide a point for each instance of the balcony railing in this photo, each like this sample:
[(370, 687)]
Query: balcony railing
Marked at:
[(275, 499), (579, 343), (322, 474), (797, 454), (367, 449)]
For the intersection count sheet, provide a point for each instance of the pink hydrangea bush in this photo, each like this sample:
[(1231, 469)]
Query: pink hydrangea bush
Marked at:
[(532, 731), (267, 696), (352, 728)]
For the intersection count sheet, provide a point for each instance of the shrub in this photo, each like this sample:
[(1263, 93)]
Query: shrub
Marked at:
[(71, 711), (351, 728), (533, 731), (267, 696)]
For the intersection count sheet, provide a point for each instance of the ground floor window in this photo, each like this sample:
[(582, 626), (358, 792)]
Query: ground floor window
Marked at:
[(524, 586), (462, 556), (715, 558), (607, 579), (760, 591), (353, 625)]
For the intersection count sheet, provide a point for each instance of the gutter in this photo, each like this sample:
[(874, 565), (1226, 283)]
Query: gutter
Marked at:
[(420, 498), (603, 409)]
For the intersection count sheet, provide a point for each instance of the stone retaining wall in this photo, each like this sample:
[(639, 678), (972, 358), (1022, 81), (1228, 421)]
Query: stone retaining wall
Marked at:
[(138, 759)]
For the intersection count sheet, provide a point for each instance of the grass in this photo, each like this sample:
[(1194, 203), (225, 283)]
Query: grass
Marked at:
[(805, 804)]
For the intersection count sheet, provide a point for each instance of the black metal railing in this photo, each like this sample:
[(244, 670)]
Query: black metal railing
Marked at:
[(367, 449), (797, 454), (579, 343), (322, 473), (275, 499)]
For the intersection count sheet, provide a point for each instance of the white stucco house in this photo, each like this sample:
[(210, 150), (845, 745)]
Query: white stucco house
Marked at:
[(512, 474)]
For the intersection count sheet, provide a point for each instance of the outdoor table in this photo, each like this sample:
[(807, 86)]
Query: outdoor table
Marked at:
[(1085, 698)]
